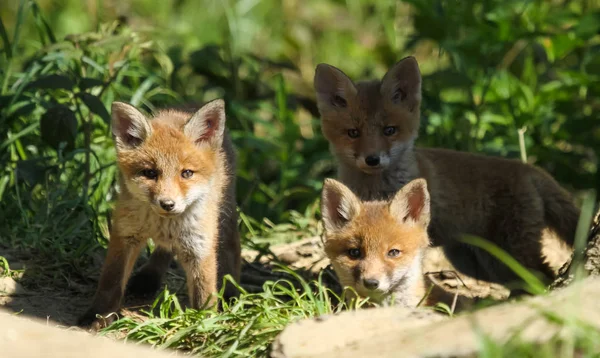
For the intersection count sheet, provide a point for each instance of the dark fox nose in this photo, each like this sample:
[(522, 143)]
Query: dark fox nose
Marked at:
[(372, 160), (371, 283), (168, 205)]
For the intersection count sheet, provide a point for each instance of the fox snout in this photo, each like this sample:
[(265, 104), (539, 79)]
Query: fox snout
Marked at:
[(373, 162), (168, 205), (371, 283)]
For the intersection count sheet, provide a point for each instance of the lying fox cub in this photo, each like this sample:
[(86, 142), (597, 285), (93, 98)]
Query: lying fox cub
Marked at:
[(377, 247)]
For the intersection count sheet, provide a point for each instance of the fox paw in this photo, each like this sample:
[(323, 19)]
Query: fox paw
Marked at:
[(144, 283)]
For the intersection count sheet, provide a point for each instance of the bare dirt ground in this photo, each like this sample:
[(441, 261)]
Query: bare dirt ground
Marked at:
[(61, 305), (37, 298)]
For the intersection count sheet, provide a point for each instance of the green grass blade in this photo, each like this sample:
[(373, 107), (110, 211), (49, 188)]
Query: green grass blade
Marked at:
[(5, 41), (582, 233), (532, 284)]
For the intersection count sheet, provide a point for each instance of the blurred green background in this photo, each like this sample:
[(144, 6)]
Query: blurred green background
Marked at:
[(496, 73)]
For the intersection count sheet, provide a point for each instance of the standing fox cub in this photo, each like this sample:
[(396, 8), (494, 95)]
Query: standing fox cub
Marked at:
[(177, 182), (371, 128), (377, 247)]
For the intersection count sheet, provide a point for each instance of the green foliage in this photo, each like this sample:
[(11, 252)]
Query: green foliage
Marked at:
[(512, 65), (4, 267), (490, 68), (58, 159)]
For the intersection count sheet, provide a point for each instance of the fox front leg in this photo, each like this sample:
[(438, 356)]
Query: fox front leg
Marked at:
[(201, 275), (120, 258)]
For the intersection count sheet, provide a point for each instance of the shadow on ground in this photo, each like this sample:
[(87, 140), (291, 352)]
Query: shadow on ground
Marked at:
[(32, 288)]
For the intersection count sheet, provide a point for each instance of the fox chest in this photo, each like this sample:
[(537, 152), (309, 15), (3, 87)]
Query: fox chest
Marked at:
[(184, 235)]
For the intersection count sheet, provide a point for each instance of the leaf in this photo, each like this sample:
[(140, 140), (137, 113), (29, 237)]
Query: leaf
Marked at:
[(208, 61), (23, 110), (5, 101), (137, 97), (52, 82), (165, 62), (5, 41), (30, 171), (96, 106), (283, 64), (87, 83), (59, 125), (448, 78), (588, 26)]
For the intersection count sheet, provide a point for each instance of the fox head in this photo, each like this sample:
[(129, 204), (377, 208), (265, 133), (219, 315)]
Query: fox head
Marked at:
[(370, 124), (170, 161), (376, 247)]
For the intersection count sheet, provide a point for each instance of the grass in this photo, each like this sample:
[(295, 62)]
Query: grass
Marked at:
[(490, 69), (246, 327)]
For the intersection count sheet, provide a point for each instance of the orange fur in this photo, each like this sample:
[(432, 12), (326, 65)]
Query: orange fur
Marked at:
[(512, 204), (361, 238), (177, 182)]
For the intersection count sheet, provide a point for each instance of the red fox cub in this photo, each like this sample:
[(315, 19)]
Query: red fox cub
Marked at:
[(371, 128), (377, 247), (177, 186)]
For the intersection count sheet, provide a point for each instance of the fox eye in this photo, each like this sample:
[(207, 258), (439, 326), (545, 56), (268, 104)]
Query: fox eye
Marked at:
[(388, 131), (353, 133), (354, 253), (149, 173), (393, 253), (186, 174)]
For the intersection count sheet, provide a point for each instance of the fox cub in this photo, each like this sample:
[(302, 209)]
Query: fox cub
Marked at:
[(177, 186), (371, 128), (377, 247)]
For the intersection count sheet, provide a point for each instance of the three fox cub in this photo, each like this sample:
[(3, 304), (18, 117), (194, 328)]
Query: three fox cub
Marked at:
[(177, 182), (371, 128)]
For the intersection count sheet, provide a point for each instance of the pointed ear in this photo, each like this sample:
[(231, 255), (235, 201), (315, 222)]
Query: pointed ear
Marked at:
[(412, 204), (339, 205), (402, 84), (207, 125), (129, 126), (333, 88)]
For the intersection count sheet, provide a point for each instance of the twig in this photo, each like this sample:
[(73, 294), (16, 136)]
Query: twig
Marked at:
[(457, 277)]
